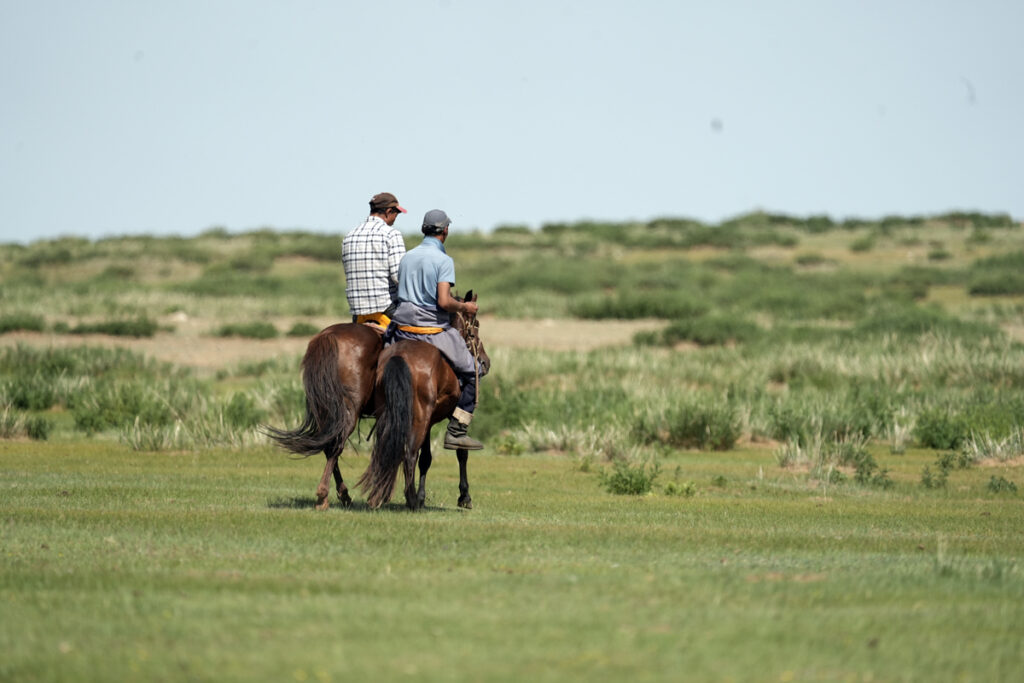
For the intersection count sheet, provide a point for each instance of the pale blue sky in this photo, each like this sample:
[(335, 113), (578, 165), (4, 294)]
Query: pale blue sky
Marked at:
[(172, 117)]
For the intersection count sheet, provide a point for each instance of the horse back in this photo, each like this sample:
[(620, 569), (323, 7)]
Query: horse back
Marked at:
[(352, 349)]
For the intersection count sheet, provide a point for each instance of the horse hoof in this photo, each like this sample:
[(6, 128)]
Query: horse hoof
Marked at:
[(322, 504), (345, 499), (466, 503)]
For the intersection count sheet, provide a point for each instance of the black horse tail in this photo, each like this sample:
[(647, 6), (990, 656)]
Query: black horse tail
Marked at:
[(331, 412), (394, 425)]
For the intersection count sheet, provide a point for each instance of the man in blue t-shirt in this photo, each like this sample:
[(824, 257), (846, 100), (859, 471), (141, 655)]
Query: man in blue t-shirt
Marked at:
[(425, 278)]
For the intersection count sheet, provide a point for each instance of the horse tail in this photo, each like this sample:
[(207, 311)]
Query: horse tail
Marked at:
[(394, 425), (331, 412)]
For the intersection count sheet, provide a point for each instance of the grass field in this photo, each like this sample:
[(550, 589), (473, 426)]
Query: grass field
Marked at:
[(834, 411), (121, 565)]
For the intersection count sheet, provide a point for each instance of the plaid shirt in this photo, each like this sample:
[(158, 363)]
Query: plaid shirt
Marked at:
[(370, 255)]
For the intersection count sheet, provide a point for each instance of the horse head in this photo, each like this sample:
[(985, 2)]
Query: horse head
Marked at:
[(469, 327)]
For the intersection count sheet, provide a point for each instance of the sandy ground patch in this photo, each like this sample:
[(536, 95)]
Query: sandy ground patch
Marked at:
[(188, 345)]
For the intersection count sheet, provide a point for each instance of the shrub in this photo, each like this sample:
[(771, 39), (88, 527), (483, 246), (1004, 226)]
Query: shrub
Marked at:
[(509, 445), (912, 321), (685, 489), (15, 322), (242, 411), (941, 429), (31, 392), (252, 330), (118, 403), (863, 244), (140, 327), (711, 425), (303, 329), (634, 304), (934, 481), (811, 259), (867, 472), (38, 427), (710, 330), (984, 446), (997, 284), (1000, 484), (626, 479), (985, 428), (12, 422)]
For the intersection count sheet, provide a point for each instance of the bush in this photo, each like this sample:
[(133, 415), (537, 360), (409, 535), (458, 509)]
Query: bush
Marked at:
[(941, 429), (303, 329), (242, 411), (253, 330), (17, 322), (38, 427), (685, 489), (626, 479), (31, 392), (953, 427), (119, 403), (633, 304), (997, 284), (706, 330), (1000, 484), (934, 481), (140, 327), (12, 422), (863, 244), (713, 425), (913, 321)]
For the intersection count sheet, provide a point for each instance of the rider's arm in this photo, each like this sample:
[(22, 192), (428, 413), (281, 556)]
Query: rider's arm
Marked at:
[(446, 301)]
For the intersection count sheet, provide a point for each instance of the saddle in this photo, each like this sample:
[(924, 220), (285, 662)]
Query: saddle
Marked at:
[(380, 322)]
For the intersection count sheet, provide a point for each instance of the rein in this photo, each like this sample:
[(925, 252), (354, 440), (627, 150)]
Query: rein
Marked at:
[(472, 338)]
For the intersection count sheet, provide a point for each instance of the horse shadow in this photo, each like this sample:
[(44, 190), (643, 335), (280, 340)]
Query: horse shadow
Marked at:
[(309, 503)]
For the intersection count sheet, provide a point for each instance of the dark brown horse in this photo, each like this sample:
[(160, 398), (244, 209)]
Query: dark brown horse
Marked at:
[(338, 373), (416, 389)]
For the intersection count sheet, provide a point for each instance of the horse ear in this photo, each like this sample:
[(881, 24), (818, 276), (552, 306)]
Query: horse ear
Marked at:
[(469, 296)]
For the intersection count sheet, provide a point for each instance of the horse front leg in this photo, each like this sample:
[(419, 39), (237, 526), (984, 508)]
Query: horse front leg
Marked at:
[(343, 497), (464, 500), (425, 459)]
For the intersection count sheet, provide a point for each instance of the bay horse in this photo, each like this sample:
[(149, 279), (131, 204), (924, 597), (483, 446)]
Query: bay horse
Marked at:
[(338, 374), (415, 389)]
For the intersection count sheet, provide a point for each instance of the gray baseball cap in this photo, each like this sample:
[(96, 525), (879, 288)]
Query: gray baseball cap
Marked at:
[(436, 219)]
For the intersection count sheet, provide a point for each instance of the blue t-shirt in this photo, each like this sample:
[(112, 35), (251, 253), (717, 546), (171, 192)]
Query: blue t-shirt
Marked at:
[(420, 271)]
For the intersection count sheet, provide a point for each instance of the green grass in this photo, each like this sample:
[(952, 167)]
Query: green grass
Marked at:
[(212, 566)]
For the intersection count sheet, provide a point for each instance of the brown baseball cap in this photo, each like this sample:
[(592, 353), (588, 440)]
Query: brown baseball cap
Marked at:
[(385, 200)]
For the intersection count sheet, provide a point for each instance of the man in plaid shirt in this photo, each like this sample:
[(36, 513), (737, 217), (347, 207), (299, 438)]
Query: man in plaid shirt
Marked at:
[(370, 254)]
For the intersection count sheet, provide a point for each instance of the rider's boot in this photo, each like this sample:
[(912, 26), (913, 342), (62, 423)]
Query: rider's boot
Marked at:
[(456, 436)]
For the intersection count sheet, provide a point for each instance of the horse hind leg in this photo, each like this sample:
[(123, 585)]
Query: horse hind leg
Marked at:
[(332, 454), (330, 467)]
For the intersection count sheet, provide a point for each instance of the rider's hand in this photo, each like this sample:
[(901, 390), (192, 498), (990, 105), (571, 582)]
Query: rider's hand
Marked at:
[(470, 307)]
